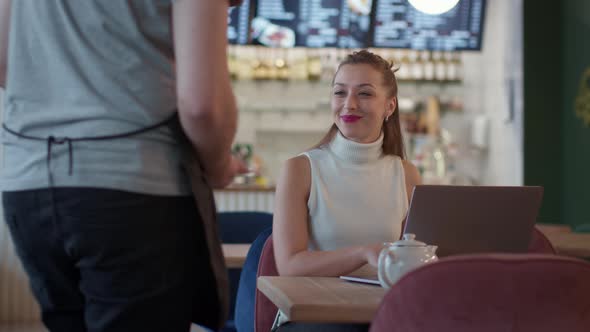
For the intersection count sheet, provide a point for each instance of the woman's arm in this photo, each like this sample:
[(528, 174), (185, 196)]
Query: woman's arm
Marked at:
[(4, 31), (291, 233)]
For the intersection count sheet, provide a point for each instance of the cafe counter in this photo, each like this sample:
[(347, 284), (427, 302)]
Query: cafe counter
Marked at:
[(245, 198)]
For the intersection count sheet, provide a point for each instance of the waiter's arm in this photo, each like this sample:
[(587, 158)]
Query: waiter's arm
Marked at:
[(206, 103), (4, 30)]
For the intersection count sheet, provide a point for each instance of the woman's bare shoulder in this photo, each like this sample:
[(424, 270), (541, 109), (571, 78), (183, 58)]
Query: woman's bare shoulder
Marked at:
[(296, 175), (299, 163)]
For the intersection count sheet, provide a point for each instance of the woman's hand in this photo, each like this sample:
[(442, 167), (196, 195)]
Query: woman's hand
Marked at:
[(372, 254)]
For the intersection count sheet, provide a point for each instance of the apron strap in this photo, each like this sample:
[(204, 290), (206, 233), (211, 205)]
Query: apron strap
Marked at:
[(53, 140)]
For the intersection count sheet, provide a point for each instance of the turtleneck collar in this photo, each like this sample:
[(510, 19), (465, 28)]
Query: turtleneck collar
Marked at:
[(357, 153)]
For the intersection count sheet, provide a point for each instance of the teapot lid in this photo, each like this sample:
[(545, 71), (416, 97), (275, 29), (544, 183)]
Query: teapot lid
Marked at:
[(408, 240)]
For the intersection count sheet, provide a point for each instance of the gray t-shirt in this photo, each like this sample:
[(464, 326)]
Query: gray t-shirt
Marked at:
[(91, 68)]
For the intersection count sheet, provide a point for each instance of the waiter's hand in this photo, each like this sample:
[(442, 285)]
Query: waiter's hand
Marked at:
[(224, 175)]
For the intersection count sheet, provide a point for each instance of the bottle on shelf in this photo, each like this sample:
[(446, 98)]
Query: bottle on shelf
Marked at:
[(298, 62), (314, 65), (432, 116), (417, 66), (258, 65), (269, 60), (281, 65), (436, 172), (232, 62), (326, 63), (454, 66), (404, 73), (440, 67), (458, 65), (279, 68), (428, 65), (430, 155), (245, 62), (390, 56)]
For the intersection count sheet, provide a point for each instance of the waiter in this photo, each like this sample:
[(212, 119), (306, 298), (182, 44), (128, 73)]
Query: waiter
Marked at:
[(118, 115)]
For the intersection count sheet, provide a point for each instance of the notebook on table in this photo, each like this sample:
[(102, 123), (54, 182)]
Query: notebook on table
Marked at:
[(366, 274), (373, 280)]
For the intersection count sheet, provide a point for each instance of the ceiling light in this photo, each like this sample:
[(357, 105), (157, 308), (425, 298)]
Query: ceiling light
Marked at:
[(433, 7)]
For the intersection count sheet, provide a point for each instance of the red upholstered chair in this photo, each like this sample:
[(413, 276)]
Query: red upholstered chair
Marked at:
[(492, 292), (540, 244), (265, 311)]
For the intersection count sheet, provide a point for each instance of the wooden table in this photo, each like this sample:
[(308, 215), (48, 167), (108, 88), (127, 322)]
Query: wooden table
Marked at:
[(553, 228), (22, 327), (566, 242), (235, 254), (325, 300), (571, 244)]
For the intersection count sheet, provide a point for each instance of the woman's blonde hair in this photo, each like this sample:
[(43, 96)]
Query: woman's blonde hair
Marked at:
[(393, 143)]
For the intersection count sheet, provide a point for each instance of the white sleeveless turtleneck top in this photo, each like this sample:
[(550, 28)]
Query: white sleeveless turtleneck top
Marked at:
[(357, 195)]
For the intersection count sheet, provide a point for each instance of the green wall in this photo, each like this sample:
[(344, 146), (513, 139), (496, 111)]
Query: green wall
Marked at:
[(556, 143), (542, 103), (575, 133)]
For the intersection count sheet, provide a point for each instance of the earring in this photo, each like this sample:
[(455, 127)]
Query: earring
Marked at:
[(386, 118)]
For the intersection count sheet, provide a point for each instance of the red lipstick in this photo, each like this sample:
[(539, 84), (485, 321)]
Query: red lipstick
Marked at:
[(350, 118)]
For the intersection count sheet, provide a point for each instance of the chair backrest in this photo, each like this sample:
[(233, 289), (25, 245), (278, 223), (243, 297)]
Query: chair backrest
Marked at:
[(244, 312), (540, 244), (492, 292), (242, 226), (265, 311)]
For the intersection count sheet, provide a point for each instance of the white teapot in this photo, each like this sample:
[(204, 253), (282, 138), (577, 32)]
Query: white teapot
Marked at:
[(400, 257)]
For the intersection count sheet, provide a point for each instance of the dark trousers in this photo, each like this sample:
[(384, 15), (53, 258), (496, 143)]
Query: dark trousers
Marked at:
[(107, 260)]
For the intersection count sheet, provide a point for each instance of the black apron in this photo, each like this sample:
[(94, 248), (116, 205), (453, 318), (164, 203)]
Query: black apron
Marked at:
[(202, 193)]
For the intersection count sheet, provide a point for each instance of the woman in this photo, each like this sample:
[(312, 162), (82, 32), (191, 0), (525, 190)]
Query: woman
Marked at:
[(337, 203), (100, 209)]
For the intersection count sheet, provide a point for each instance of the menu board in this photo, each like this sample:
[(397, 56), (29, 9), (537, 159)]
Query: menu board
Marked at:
[(312, 23), (397, 24), (238, 23)]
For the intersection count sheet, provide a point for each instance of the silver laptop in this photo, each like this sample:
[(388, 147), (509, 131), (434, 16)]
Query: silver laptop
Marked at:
[(474, 219)]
